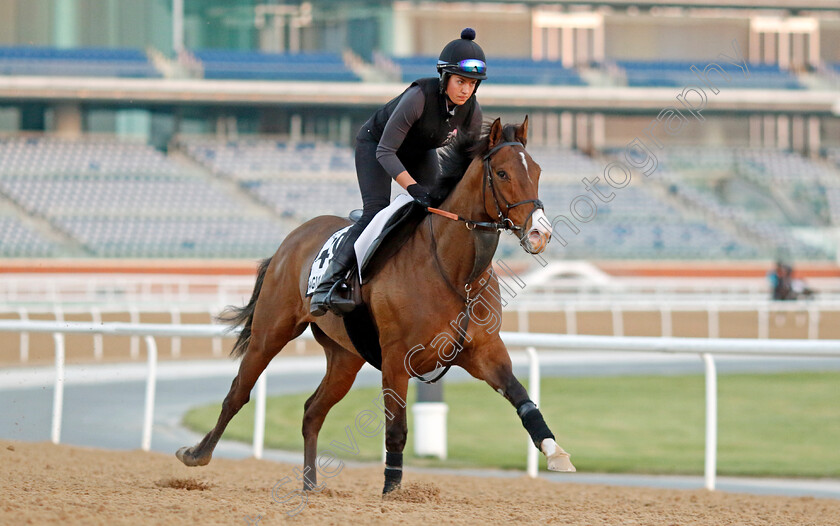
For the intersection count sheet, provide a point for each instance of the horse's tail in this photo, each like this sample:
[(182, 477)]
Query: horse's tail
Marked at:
[(236, 316)]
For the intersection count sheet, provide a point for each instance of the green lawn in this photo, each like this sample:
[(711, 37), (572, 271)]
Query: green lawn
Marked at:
[(769, 424)]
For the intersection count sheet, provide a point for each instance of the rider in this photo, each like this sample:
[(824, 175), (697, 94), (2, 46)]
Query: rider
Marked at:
[(399, 141)]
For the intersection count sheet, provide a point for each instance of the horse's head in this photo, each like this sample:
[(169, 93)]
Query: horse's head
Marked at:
[(511, 183)]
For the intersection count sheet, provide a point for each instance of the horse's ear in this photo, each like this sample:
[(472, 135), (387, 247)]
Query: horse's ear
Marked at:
[(495, 135), (522, 132)]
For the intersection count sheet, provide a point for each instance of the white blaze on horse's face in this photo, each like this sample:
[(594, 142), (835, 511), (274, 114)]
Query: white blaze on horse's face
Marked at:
[(525, 164), (539, 233)]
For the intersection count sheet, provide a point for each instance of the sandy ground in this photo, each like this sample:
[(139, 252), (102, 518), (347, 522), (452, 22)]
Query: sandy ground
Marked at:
[(43, 483)]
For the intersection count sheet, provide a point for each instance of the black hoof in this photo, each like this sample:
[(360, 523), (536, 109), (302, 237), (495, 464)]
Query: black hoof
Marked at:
[(389, 488), (393, 478)]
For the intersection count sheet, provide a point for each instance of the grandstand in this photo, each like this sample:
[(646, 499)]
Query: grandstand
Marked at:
[(217, 142), (118, 199)]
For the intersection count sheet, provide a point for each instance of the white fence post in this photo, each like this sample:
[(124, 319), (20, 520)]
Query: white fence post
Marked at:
[(134, 317), (259, 417), (763, 323), (665, 320), (217, 342), (534, 392), (58, 390), (617, 320), (522, 320), (571, 320), (151, 379), (96, 318), (175, 316), (24, 337), (714, 321), (710, 468), (813, 323)]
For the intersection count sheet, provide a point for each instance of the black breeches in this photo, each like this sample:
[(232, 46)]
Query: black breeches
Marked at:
[(375, 183)]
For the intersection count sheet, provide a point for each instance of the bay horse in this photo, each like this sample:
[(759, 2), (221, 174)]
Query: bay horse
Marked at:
[(418, 293)]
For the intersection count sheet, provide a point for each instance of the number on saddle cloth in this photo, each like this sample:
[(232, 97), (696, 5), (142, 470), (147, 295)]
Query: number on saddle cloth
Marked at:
[(323, 259)]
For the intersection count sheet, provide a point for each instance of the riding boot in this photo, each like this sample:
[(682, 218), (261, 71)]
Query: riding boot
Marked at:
[(332, 293)]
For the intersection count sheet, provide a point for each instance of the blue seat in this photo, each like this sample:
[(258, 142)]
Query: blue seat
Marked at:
[(659, 74), (88, 62), (521, 71), (255, 65)]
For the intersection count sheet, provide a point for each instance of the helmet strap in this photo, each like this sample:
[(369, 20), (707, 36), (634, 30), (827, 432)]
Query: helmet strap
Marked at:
[(444, 80)]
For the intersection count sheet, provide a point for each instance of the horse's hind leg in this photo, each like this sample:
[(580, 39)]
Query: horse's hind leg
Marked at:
[(261, 349), (492, 364), (342, 367)]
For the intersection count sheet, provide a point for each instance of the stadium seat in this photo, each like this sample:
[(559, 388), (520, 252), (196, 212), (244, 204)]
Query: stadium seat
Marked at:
[(76, 62)]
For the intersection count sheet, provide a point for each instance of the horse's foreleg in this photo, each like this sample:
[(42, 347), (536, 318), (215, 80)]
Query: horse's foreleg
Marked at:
[(253, 363), (394, 391), (494, 367)]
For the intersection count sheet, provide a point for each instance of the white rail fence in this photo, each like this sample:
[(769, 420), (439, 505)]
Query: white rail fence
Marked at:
[(806, 313), (134, 312), (705, 348), (124, 288), (224, 289)]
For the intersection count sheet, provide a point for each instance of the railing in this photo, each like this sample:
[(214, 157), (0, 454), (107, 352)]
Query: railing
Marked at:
[(807, 313), (807, 310), (134, 313), (28, 290), (704, 347)]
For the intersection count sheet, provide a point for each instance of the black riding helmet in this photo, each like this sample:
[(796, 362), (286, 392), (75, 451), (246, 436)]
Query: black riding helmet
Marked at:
[(462, 57)]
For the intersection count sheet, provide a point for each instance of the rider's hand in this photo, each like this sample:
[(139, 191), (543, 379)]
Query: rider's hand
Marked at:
[(420, 194)]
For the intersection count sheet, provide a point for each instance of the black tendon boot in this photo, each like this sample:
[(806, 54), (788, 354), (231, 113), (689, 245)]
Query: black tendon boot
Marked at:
[(331, 293)]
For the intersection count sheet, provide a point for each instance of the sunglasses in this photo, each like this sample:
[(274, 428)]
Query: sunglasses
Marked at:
[(470, 65)]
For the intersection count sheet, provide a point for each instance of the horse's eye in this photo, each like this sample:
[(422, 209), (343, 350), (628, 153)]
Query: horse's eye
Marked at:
[(502, 174)]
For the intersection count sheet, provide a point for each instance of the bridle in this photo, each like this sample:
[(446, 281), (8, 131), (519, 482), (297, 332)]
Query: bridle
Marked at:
[(503, 223)]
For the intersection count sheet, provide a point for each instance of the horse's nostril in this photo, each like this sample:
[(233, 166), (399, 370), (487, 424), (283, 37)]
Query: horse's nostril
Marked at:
[(538, 240)]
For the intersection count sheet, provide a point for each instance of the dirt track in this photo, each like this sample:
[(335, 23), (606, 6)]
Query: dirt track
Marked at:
[(42, 483)]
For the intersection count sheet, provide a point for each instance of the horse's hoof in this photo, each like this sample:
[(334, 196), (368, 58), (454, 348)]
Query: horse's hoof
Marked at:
[(389, 488), (185, 455), (556, 458), (393, 478)]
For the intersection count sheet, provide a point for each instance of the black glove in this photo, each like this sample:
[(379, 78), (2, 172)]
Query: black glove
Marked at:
[(420, 194)]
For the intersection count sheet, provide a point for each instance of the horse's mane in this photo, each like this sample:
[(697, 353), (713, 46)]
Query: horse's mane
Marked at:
[(456, 156)]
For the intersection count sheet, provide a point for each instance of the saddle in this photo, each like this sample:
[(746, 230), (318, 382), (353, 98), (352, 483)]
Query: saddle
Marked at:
[(374, 253)]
